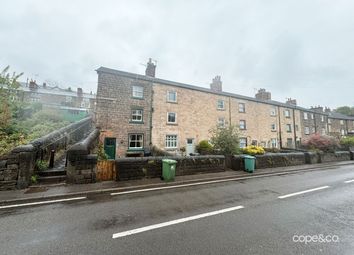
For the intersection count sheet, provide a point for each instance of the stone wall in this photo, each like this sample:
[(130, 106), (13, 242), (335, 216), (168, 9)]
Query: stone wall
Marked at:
[(273, 160), (115, 103), (332, 157), (81, 165), (151, 167), (17, 167)]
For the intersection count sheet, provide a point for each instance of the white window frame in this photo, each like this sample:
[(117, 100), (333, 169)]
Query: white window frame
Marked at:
[(273, 127), (134, 113), (221, 122), (306, 130), (171, 141), (138, 91), (287, 113), (342, 122), (169, 98), (136, 141), (322, 118), (273, 111), (243, 142), (312, 116), (329, 121), (274, 143), (323, 131), (306, 117), (244, 125), (218, 105), (170, 122), (242, 107), (342, 131), (288, 128)]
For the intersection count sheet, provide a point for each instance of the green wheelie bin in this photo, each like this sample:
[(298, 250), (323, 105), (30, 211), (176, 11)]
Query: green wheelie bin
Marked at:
[(250, 163), (168, 169)]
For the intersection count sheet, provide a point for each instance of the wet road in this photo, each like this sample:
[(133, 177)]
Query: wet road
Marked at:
[(303, 213)]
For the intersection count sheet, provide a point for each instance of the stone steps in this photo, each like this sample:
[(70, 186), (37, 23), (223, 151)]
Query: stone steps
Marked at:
[(51, 179)]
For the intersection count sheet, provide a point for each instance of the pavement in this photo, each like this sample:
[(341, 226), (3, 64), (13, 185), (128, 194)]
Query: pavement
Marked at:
[(63, 191), (306, 212)]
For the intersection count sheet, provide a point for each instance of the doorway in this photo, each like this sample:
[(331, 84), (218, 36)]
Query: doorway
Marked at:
[(190, 148), (110, 147)]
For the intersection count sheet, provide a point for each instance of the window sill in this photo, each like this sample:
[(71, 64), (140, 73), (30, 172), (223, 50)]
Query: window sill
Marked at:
[(171, 124), (273, 130), (170, 149), (139, 98), (241, 112), (219, 109), (135, 150), (243, 129), (171, 102), (136, 122)]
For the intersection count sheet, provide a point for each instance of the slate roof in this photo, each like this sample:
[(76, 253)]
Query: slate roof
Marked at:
[(193, 87)]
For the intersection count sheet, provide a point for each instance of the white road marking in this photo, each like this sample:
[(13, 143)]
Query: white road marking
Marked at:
[(349, 181), (303, 192), (43, 202), (174, 222)]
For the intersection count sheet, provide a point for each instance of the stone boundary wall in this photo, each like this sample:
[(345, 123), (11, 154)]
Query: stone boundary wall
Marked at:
[(17, 167), (151, 167), (236, 162), (81, 165)]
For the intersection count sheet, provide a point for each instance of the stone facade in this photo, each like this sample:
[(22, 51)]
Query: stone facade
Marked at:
[(115, 103), (177, 115)]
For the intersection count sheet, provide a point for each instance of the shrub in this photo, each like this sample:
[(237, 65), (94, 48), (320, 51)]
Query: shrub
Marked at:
[(204, 147), (347, 142), (253, 150), (41, 165), (321, 142), (225, 140), (101, 154)]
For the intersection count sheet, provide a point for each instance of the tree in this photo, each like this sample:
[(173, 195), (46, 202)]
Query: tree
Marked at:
[(8, 91), (225, 139), (346, 110)]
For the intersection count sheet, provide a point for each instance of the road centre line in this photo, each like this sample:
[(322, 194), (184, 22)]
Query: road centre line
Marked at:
[(42, 202), (174, 222), (349, 181), (303, 192)]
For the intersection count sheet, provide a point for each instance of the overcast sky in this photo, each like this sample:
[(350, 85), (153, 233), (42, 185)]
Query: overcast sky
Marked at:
[(303, 49)]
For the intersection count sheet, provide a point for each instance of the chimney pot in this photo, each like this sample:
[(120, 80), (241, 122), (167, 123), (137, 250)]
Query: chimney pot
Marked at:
[(150, 69), (216, 84), (264, 95)]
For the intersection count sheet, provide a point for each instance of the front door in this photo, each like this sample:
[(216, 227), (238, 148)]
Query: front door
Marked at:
[(110, 147), (190, 148)]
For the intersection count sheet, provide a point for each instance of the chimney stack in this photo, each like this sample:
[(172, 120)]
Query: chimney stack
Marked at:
[(150, 69), (44, 85), (327, 109), (264, 95), (216, 84), (317, 109), (291, 101), (79, 92), (33, 85)]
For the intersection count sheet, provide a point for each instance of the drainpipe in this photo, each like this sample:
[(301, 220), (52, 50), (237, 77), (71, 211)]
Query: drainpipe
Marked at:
[(294, 123), (151, 112), (229, 111), (280, 139), (314, 122)]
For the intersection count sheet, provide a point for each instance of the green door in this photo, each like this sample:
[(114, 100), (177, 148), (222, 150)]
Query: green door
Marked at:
[(110, 147)]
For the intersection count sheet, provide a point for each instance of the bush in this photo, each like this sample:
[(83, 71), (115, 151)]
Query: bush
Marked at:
[(204, 147), (321, 142), (225, 140), (253, 150), (347, 142), (41, 165), (272, 150)]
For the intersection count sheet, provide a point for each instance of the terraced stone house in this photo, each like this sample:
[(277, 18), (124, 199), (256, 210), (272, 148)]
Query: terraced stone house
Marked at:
[(136, 112)]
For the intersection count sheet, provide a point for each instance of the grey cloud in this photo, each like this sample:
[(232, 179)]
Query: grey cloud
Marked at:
[(300, 49)]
